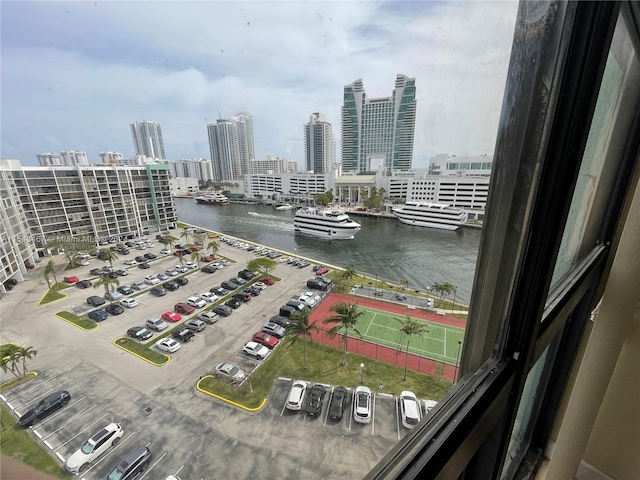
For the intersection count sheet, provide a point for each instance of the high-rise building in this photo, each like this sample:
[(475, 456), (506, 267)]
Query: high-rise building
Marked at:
[(319, 144), (111, 157), (73, 157), (231, 146), (273, 164), (198, 168), (378, 132), (147, 139), (47, 159)]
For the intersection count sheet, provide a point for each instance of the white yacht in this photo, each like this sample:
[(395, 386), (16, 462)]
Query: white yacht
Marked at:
[(286, 206), (213, 199), (433, 215), (333, 224)]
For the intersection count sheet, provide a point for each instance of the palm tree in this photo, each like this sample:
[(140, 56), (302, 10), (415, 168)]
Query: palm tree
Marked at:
[(349, 273), (263, 265), (213, 246), (411, 326), (346, 319), (300, 327), (197, 256), (185, 234), (442, 289), (10, 362), (106, 281), (107, 255), (26, 354), (50, 269), (198, 238), (168, 240), (404, 284)]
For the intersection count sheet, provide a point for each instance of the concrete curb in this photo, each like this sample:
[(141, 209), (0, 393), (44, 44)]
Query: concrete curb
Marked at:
[(230, 402), (140, 356)]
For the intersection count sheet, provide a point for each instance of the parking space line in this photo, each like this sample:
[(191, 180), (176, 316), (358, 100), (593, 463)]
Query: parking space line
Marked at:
[(153, 466), (108, 454), (62, 459), (9, 405), (39, 397), (71, 420), (353, 406), (39, 385), (37, 434), (397, 417), (176, 474), (328, 404), (84, 429), (48, 444), (373, 414), (60, 412)]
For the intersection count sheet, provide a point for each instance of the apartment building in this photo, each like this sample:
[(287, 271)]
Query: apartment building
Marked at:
[(196, 168), (299, 185), (465, 165), (272, 164)]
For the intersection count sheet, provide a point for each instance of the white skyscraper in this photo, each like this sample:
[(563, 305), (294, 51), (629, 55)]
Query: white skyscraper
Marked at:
[(147, 139), (198, 168), (231, 146), (111, 157), (65, 158), (319, 144)]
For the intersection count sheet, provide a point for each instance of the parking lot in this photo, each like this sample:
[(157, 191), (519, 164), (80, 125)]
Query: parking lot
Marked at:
[(187, 432)]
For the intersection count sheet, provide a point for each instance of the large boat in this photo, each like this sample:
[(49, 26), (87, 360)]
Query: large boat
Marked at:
[(433, 215), (326, 223), (213, 199)]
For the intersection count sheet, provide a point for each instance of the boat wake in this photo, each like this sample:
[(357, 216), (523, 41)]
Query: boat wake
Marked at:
[(254, 214)]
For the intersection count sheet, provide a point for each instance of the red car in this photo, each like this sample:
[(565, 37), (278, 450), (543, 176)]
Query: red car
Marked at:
[(209, 258), (71, 279), (171, 317), (183, 308), (265, 339), (322, 271), (195, 248), (268, 281)]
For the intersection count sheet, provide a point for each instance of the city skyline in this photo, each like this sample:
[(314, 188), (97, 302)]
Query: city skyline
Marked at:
[(125, 61)]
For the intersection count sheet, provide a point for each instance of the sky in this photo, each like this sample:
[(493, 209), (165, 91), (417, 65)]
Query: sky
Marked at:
[(76, 74)]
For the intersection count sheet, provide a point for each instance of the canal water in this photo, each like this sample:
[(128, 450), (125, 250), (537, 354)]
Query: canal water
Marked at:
[(383, 247)]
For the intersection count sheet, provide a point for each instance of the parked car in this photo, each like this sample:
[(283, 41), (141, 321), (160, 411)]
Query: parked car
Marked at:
[(273, 329), (156, 324), (165, 251), (151, 280), (209, 297), (229, 373), (195, 324), (183, 334), (95, 301), (113, 296), (84, 284), (362, 405), (280, 320), (97, 272), (171, 286), (221, 292), (121, 273), (252, 291), (209, 269), (144, 266), (246, 274), (230, 286), (141, 259), (45, 407), (139, 333), (428, 405), (325, 280), (233, 303), (171, 317), (322, 271), (162, 276), (150, 256), (181, 281), (172, 272), (238, 281), (97, 315), (316, 285), (338, 403), (297, 304), (72, 279), (158, 291), (125, 290), (243, 297), (268, 281), (114, 309), (222, 310), (256, 350), (209, 317), (296, 395), (129, 302), (132, 464), (183, 308), (409, 409), (265, 339), (315, 399), (196, 302), (181, 269), (190, 265), (168, 345), (138, 285), (93, 448)]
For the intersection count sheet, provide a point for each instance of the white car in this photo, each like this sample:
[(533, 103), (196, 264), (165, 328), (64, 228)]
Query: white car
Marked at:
[(209, 317), (168, 345), (296, 395), (428, 405), (315, 297), (129, 302), (181, 269), (309, 301), (253, 349), (196, 302), (409, 409), (260, 285), (172, 273), (94, 447), (362, 405), (209, 297), (229, 373), (130, 261), (190, 265), (165, 251), (162, 276), (151, 280), (83, 263)]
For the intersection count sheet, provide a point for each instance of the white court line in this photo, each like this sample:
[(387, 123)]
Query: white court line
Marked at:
[(84, 429), (370, 323), (153, 466), (2, 398), (71, 420)]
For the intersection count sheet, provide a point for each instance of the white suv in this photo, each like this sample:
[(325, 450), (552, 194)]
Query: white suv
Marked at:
[(196, 302)]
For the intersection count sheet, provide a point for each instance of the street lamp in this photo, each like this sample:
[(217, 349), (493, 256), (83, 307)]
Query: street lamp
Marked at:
[(361, 373), (369, 289), (74, 311), (455, 378)]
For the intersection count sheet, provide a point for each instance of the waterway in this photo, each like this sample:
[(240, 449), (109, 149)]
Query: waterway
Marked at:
[(383, 247)]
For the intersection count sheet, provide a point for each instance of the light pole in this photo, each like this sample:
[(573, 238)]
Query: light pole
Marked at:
[(74, 311), (361, 373), (369, 289), (455, 378)]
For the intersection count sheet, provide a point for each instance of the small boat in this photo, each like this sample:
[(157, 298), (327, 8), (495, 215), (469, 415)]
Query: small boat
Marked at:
[(286, 206)]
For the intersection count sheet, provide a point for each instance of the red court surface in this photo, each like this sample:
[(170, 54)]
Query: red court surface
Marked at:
[(379, 352)]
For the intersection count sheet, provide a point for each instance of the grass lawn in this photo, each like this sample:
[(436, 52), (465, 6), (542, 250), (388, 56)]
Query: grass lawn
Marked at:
[(54, 293), (16, 442), (81, 322), (142, 350), (324, 367)]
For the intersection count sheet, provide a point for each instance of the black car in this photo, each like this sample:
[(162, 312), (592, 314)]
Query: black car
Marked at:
[(95, 301), (233, 303), (98, 315), (144, 266), (130, 244), (133, 464), (141, 259), (170, 286), (338, 403), (184, 335), (230, 286), (121, 273), (97, 271), (150, 256), (45, 407), (125, 290), (158, 291), (124, 251), (222, 310), (315, 399), (246, 274), (114, 309), (112, 274), (323, 279), (181, 281), (84, 284), (221, 292), (280, 320), (209, 269), (139, 333), (316, 284), (253, 291)]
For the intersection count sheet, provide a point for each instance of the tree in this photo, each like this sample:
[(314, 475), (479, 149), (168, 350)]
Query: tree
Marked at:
[(49, 269), (346, 318), (168, 240), (411, 326), (404, 284), (26, 354), (213, 246), (185, 234), (442, 290), (349, 273), (262, 265), (300, 327), (198, 238), (106, 281), (10, 362), (107, 255), (197, 256)]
